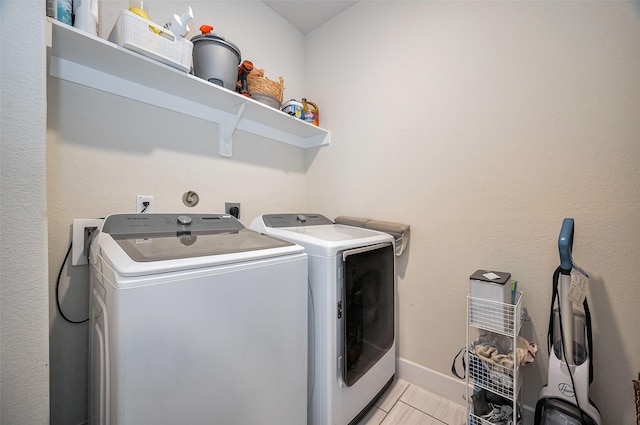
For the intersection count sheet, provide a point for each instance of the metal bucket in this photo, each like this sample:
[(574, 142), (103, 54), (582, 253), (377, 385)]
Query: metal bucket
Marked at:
[(216, 60)]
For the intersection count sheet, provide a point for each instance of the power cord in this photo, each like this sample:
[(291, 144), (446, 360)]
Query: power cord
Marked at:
[(66, 257)]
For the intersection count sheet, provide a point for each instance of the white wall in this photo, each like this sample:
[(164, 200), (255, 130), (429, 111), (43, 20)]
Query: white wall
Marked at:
[(24, 354), (103, 150), (483, 125)]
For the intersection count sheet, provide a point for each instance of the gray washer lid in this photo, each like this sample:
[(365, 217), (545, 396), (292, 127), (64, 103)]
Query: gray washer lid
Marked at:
[(158, 237)]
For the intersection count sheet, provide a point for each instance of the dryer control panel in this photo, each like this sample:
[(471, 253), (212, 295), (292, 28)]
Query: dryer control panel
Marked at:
[(294, 220)]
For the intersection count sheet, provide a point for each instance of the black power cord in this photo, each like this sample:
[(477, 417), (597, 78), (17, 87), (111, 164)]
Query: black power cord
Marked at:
[(66, 257)]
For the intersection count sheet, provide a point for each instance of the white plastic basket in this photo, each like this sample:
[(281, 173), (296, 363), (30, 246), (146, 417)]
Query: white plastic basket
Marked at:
[(149, 39), (503, 318)]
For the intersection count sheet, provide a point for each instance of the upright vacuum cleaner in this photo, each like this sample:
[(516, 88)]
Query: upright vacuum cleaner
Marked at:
[(565, 399)]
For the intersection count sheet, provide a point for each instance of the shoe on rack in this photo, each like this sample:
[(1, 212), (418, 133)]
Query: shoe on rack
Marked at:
[(501, 415)]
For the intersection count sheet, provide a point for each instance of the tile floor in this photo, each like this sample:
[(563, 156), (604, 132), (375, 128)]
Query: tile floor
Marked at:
[(407, 404)]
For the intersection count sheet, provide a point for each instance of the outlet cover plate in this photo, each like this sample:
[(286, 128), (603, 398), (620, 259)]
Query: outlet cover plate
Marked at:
[(140, 200), (229, 205), (78, 251)]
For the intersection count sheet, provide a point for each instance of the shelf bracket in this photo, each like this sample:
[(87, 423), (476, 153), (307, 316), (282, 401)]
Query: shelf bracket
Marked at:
[(227, 127)]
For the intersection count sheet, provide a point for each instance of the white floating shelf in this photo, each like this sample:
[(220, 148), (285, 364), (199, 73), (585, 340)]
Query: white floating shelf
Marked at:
[(84, 59)]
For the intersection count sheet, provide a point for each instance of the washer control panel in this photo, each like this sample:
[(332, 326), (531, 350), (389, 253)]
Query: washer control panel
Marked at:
[(148, 225)]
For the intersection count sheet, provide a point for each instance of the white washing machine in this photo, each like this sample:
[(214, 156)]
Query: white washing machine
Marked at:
[(351, 313), (196, 320)]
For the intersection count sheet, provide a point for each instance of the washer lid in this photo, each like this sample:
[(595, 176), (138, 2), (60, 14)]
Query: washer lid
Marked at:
[(158, 237), (317, 234)]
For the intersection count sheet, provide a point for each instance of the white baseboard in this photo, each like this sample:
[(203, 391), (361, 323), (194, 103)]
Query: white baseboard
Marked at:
[(446, 386)]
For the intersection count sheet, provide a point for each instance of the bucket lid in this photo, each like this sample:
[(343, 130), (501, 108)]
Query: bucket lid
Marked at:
[(217, 39)]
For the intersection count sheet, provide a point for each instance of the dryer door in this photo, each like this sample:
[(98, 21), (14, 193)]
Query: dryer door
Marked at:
[(368, 308)]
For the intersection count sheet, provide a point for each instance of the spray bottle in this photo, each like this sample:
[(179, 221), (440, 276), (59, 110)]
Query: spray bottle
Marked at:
[(179, 25)]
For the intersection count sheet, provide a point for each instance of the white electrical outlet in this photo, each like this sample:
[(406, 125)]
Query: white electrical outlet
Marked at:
[(144, 204), (80, 239)]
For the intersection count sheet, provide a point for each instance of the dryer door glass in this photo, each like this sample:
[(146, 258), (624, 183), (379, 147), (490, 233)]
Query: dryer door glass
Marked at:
[(368, 300)]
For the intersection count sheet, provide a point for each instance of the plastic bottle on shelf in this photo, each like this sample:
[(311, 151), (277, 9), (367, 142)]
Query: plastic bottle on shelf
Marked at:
[(86, 15), (179, 25), (310, 112), (140, 8), (61, 10)]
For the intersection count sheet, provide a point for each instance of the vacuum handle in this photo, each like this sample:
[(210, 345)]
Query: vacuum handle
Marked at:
[(565, 243)]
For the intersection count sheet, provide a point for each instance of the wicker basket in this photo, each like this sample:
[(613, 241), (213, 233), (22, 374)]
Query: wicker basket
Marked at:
[(257, 83)]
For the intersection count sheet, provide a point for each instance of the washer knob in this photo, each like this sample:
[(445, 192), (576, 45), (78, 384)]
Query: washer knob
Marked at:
[(301, 218), (184, 220)]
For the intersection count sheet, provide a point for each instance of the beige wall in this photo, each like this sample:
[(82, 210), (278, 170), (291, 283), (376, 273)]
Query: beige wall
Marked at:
[(24, 354), (483, 125)]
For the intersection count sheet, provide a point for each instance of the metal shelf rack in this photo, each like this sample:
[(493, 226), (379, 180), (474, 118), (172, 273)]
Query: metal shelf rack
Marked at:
[(502, 319)]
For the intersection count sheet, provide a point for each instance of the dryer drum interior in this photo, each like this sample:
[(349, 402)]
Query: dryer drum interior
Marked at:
[(368, 294)]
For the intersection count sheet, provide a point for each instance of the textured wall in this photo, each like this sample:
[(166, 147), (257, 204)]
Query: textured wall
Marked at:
[(483, 125), (24, 355)]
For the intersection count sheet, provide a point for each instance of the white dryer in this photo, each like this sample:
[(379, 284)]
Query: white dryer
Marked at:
[(351, 313), (196, 320)]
